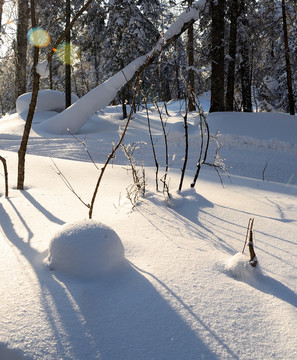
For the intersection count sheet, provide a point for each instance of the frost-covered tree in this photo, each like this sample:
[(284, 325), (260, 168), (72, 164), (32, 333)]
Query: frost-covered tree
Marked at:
[(129, 33), (270, 72), (89, 36), (288, 60)]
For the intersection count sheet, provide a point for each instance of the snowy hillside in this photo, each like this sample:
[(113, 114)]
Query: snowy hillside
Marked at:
[(182, 291)]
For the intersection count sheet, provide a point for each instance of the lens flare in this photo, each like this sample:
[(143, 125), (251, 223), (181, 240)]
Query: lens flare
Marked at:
[(68, 53), (291, 178), (38, 37)]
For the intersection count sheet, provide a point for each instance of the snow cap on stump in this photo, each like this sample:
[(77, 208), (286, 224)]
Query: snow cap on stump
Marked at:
[(85, 249)]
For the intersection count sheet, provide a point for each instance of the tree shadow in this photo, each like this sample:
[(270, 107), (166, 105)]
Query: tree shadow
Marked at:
[(268, 285), (119, 316), (41, 209), (187, 207), (11, 354), (271, 286), (9, 231), (122, 316)]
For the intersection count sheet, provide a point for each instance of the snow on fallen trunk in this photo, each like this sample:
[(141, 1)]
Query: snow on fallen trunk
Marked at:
[(85, 249), (47, 100), (74, 117)]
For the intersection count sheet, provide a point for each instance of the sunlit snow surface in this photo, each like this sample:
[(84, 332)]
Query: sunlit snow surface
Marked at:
[(185, 290)]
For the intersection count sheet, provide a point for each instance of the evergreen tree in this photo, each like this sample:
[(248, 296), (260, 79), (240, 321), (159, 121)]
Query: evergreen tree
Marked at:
[(129, 33), (288, 61)]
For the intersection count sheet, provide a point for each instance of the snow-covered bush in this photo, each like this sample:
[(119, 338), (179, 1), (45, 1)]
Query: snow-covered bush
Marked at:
[(240, 267), (85, 249)]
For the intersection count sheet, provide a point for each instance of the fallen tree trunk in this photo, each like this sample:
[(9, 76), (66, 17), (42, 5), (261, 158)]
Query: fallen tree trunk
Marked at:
[(74, 117)]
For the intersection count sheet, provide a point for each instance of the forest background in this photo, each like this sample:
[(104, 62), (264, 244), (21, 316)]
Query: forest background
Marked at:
[(242, 52)]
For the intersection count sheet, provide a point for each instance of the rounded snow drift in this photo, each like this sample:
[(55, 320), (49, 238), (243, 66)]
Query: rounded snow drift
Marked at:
[(85, 249), (47, 100)]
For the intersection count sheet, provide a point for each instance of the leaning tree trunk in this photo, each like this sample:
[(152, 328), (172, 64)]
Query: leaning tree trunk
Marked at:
[(23, 147), (288, 63), (217, 56)]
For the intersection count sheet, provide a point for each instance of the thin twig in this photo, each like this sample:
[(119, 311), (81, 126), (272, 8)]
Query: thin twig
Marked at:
[(67, 183), (263, 172), (153, 145), (85, 147), (185, 117)]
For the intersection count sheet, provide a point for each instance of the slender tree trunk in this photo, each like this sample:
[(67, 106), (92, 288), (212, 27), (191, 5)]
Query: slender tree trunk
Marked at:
[(177, 70), (5, 175), (246, 84), (245, 67), (288, 63), (191, 73), (124, 96), (217, 56), (67, 59), (21, 52), (36, 79), (27, 128), (1, 12), (232, 55), (50, 64)]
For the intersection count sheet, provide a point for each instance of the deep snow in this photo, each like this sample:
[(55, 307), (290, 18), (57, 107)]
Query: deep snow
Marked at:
[(184, 292)]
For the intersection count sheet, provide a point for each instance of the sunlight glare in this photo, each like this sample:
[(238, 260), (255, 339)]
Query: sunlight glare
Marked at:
[(38, 37), (67, 53)]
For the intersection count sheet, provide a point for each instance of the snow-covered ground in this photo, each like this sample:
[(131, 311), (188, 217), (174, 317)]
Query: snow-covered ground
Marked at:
[(183, 291)]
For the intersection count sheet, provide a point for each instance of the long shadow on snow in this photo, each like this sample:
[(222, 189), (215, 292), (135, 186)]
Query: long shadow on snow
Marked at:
[(187, 209), (271, 286), (42, 209), (11, 354), (122, 316)]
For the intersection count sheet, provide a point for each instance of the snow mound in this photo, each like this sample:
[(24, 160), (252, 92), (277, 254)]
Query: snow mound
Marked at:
[(48, 100), (85, 249), (240, 267)]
